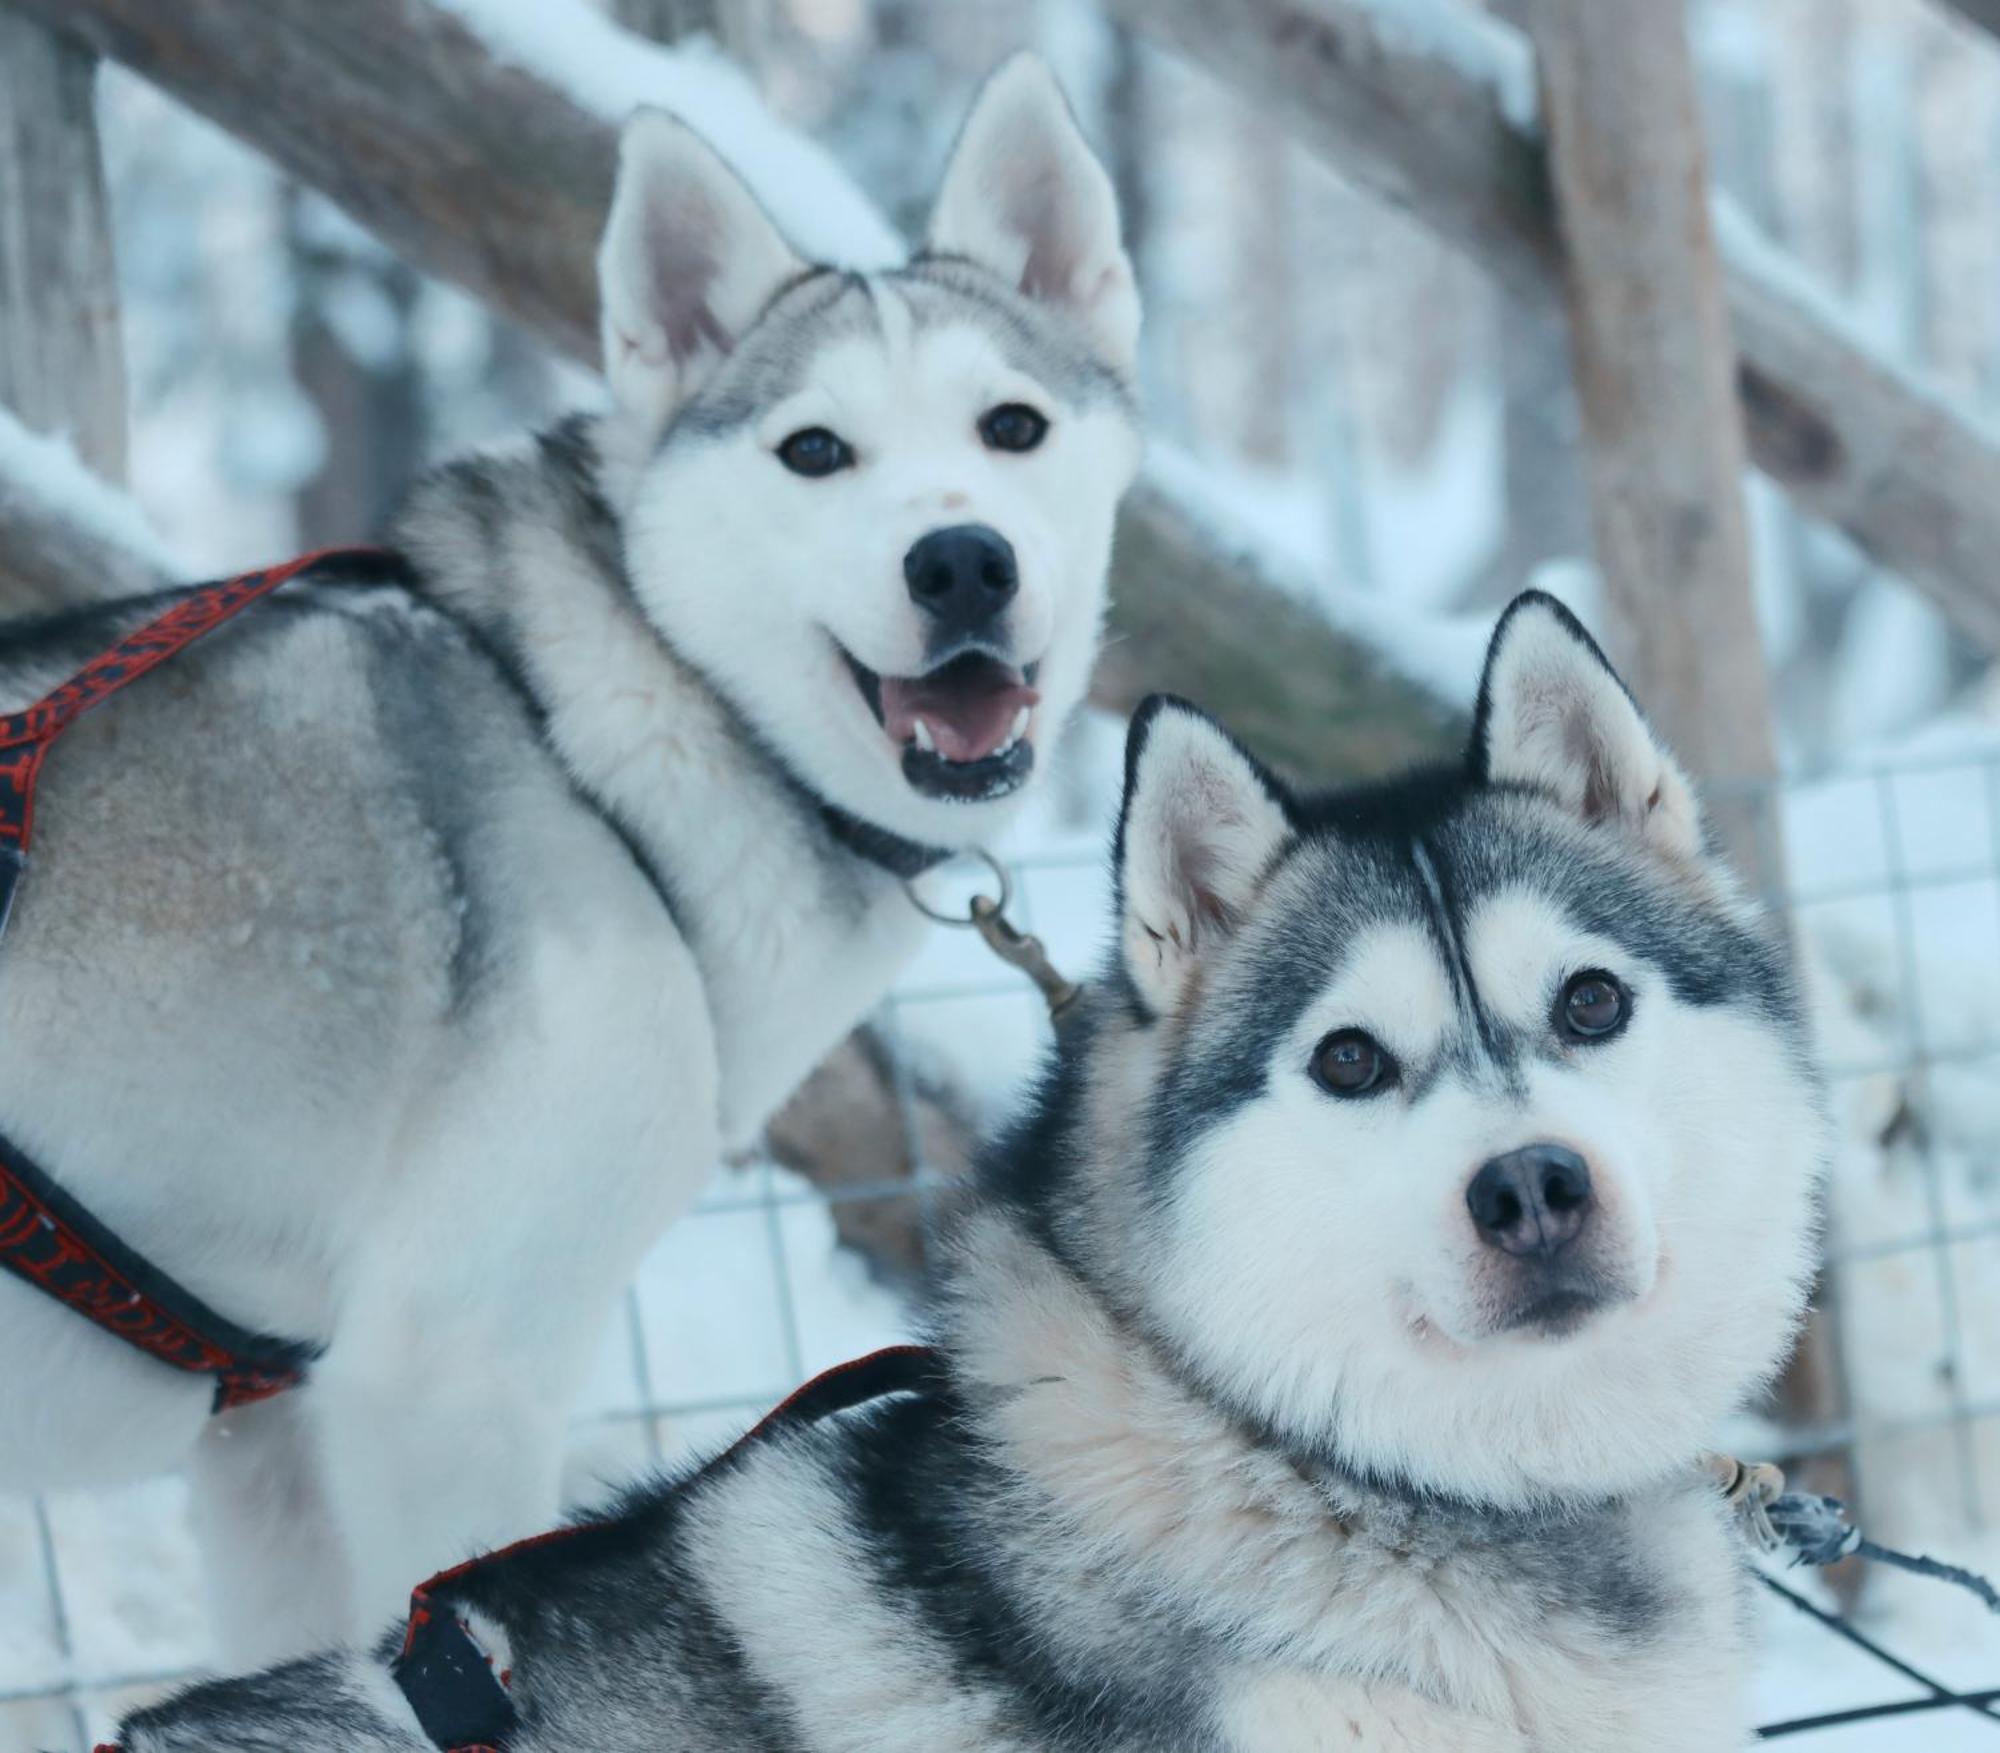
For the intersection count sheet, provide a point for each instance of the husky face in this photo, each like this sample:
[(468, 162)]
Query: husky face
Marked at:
[(1482, 1146), (876, 510)]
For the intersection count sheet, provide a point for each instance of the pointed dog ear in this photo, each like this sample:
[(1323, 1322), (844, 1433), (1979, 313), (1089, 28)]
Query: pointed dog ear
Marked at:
[(1553, 714), (1201, 822), (689, 259), (1025, 196)]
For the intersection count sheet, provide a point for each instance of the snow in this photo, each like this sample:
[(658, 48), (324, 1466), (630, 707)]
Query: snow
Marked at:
[(1281, 535), (1473, 44), (48, 471), (612, 72), (1900, 665), (1750, 252)]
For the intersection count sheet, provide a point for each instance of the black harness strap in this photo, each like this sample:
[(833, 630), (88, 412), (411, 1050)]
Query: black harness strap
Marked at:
[(47, 1239), (50, 1241), (461, 1697)]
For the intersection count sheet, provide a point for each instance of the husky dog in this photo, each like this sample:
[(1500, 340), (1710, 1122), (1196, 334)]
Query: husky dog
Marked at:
[(1327, 1357), (397, 963)]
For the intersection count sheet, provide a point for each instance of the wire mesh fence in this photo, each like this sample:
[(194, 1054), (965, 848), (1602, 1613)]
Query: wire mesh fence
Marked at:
[(1895, 899)]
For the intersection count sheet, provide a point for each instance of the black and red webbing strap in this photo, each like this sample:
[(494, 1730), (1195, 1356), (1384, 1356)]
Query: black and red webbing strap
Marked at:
[(54, 1244), (46, 1237), (462, 1699), (27, 736)]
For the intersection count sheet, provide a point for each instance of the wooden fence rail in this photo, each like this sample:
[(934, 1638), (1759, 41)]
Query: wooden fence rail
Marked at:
[(1440, 123)]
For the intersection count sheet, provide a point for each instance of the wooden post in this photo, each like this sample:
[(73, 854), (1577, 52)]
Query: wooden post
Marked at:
[(1430, 120), (1656, 379), (62, 367)]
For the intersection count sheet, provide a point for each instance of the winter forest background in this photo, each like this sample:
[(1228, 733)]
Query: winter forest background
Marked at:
[(1376, 421)]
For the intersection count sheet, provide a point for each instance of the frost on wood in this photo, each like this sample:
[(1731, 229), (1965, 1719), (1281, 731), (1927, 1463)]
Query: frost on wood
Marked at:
[(612, 72), (1430, 130), (1472, 44), (65, 535), (481, 171)]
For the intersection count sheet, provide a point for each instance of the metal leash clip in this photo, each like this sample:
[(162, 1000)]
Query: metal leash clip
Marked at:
[(1750, 1488), (987, 915)]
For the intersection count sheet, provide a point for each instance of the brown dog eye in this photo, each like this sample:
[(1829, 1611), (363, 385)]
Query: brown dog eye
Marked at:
[(815, 452), (1350, 1062), (1593, 1006), (1013, 426)]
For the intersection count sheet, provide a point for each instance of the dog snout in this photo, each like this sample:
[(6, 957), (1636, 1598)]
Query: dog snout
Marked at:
[(961, 577), (1532, 1202)]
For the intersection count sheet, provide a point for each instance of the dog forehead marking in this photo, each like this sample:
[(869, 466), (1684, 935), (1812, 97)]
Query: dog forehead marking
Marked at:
[(1492, 1043), (822, 310)]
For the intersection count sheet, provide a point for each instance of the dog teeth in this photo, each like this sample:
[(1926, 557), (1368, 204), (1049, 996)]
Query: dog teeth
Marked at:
[(1014, 735), (924, 740)]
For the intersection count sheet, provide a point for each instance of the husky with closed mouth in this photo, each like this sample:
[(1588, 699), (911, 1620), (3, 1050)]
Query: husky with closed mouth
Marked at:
[(1326, 1358), (398, 961)]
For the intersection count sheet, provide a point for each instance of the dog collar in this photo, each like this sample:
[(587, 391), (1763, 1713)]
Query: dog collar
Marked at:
[(882, 847)]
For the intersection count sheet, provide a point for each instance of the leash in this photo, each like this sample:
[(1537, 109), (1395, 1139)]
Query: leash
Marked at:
[(987, 915), (47, 1238), (1812, 1530)]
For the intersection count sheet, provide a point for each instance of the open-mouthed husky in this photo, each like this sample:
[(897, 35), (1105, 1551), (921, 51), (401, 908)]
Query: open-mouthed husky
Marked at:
[(1326, 1359), (396, 963)]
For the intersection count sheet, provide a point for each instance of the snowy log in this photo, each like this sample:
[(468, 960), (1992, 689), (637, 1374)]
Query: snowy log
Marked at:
[(1431, 104), (1197, 614), (62, 364), (65, 535), (475, 169)]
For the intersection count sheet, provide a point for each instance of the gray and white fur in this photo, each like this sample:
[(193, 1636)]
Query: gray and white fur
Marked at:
[(1269, 1424), (399, 961)]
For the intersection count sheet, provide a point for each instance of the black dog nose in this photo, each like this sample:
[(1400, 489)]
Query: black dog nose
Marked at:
[(1535, 1200), (963, 576)]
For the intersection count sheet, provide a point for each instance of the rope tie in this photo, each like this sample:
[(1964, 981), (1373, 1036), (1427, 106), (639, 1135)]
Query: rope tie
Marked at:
[(1809, 1529)]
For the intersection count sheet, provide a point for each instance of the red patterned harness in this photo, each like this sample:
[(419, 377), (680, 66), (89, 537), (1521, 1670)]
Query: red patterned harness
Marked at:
[(47, 1239)]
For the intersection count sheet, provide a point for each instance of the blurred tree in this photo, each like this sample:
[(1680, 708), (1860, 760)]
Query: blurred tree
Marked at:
[(354, 359), (735, 24), (1546, 510), (62, 364)]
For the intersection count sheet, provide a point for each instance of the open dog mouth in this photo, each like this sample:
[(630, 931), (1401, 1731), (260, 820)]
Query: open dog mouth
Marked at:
[(964, 727)]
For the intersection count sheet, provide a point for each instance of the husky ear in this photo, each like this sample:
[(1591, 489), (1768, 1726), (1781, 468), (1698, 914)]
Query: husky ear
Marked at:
[(1201, 822), (1553, 714), (688, 260), (1024, 196)]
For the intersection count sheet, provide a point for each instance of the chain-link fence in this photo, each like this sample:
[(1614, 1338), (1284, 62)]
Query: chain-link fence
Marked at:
[(1895, 899)]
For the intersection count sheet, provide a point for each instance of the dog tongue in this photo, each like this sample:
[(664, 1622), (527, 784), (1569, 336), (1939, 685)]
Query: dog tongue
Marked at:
[(969, 708)]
